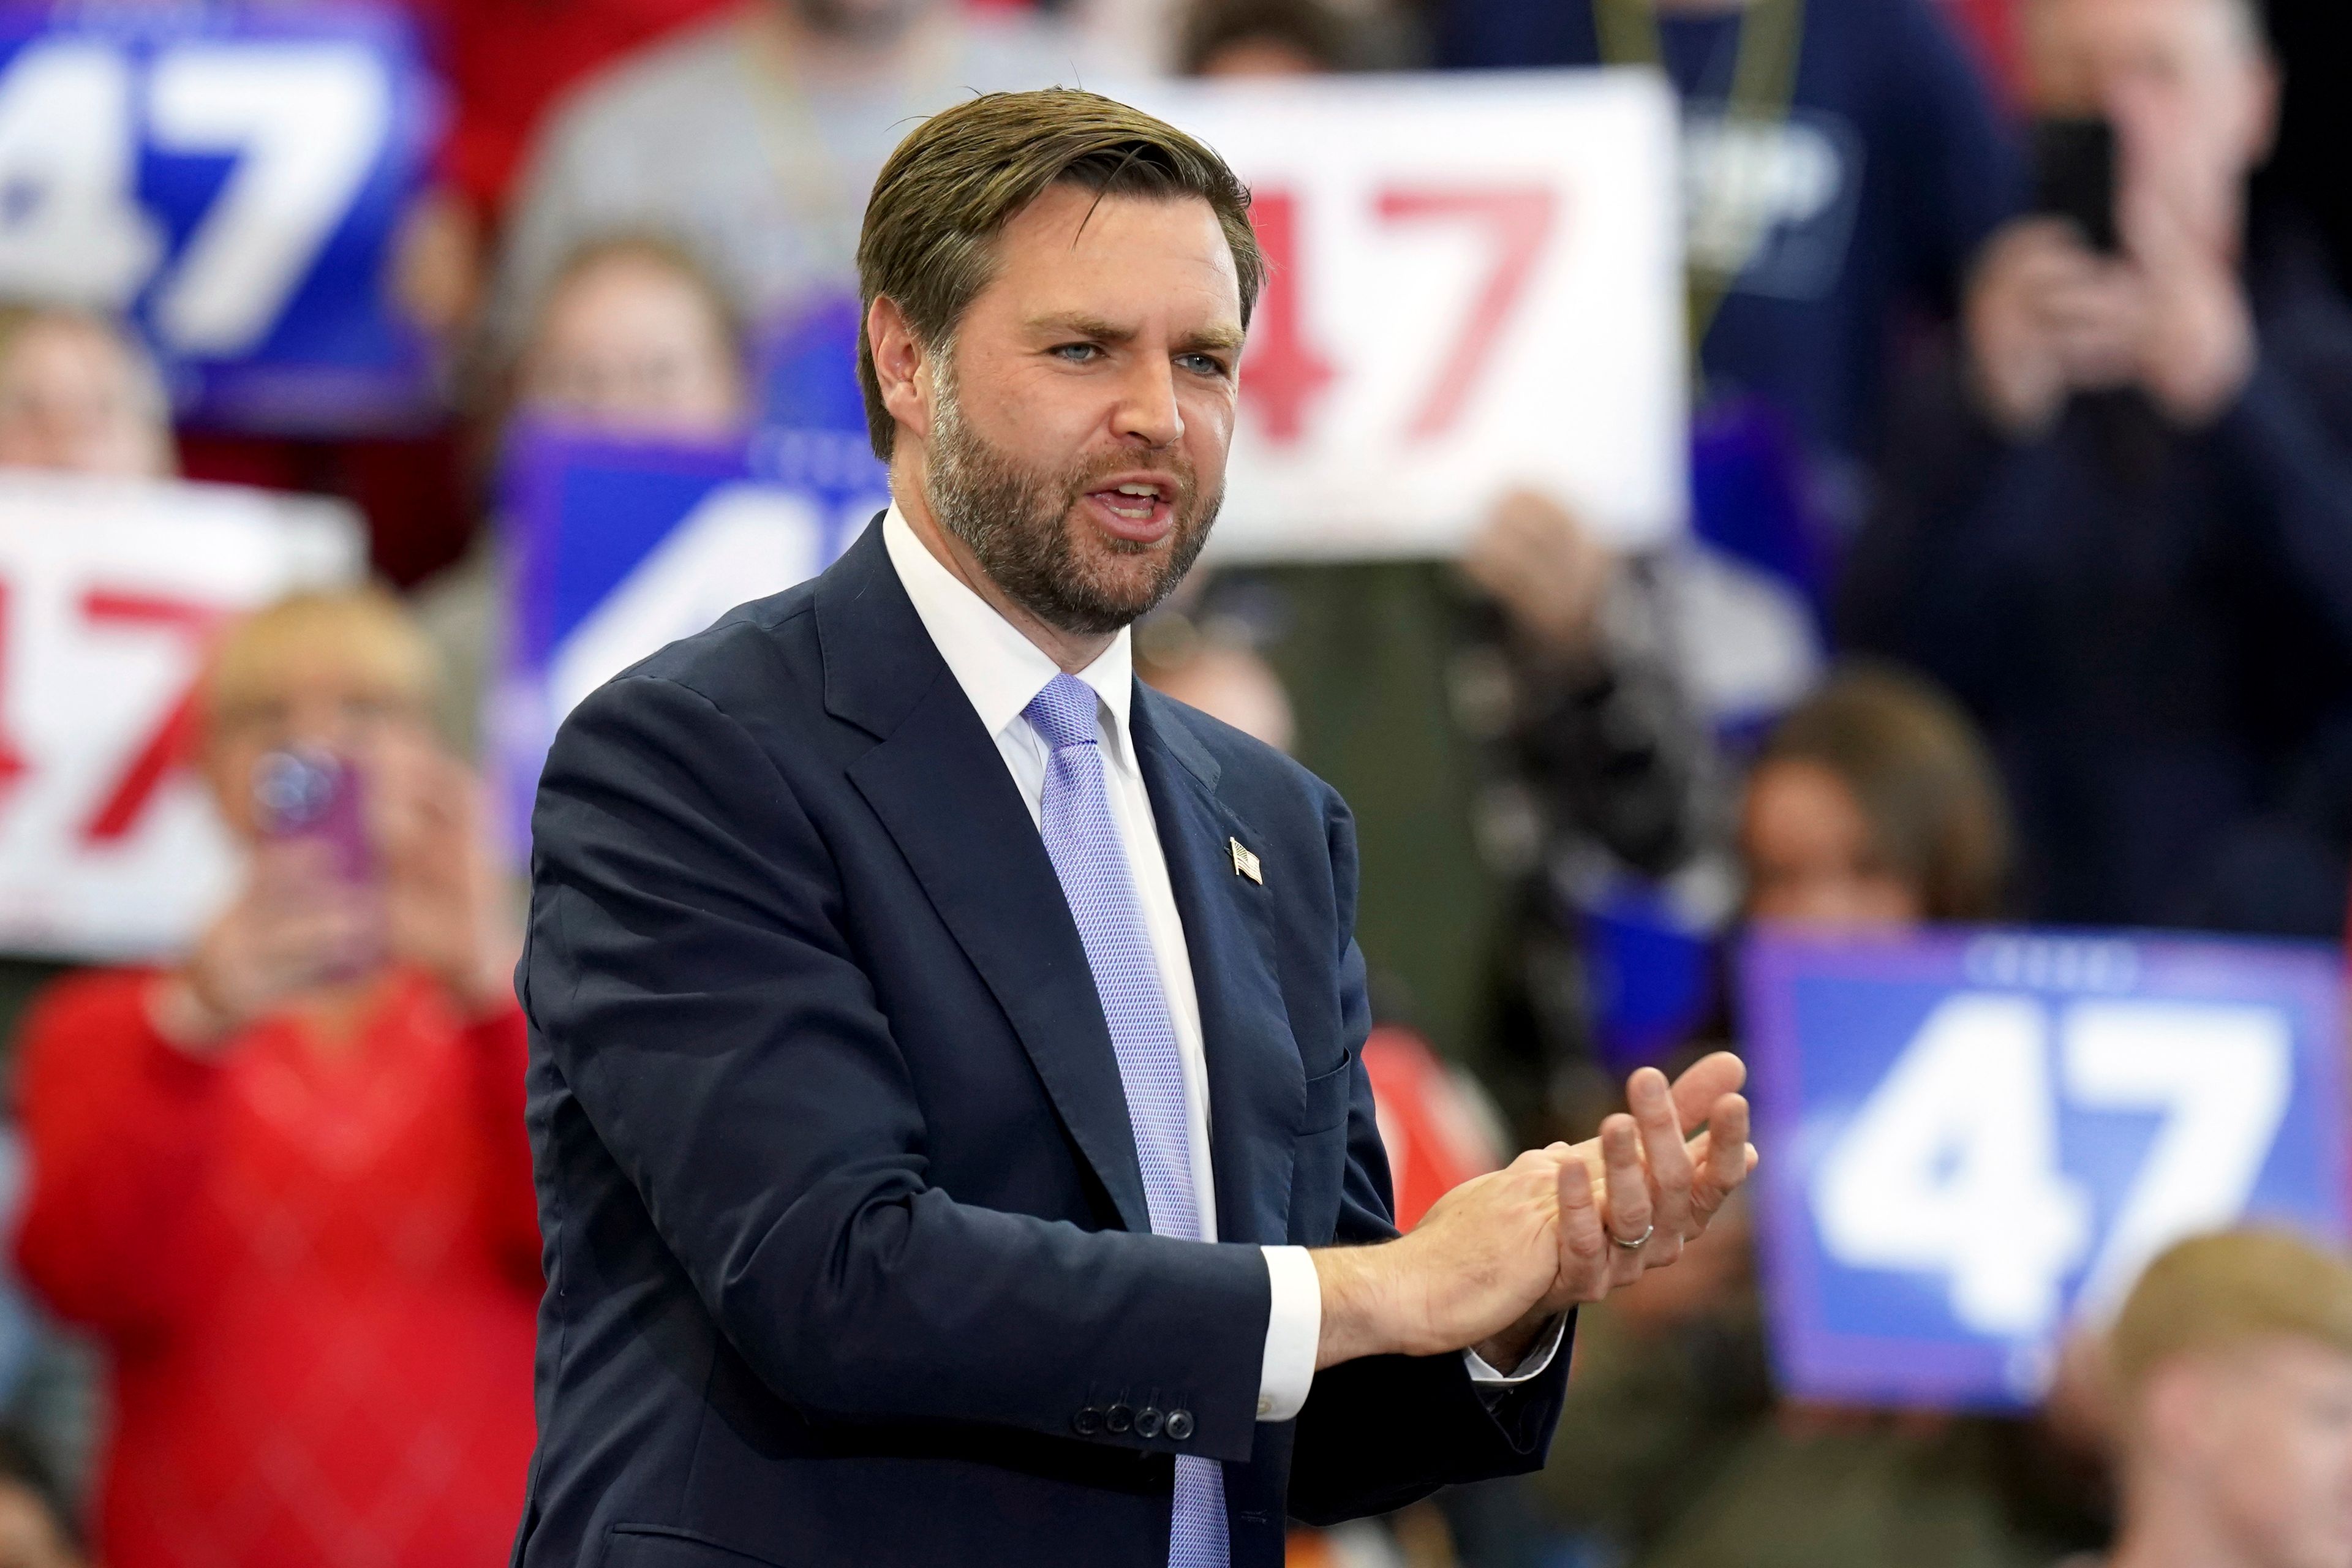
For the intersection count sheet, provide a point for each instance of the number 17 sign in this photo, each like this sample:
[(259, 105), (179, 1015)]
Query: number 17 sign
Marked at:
[(1973, 1139), (1475, 284)]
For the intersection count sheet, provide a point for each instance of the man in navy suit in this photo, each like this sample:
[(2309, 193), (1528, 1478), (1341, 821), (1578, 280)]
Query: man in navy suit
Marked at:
[(952, 1144)]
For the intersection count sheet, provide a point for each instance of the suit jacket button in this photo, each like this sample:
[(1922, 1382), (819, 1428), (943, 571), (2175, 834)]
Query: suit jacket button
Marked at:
[(1119, 1418), (1179, 1424), (1148, 1422), (1088, 1422)]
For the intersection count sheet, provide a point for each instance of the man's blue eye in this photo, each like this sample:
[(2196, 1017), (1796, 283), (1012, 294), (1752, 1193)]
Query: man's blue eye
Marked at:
[(1202, 364), (1076, 352)]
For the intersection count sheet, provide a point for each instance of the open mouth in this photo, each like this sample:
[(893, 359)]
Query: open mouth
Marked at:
[(1140, 511)]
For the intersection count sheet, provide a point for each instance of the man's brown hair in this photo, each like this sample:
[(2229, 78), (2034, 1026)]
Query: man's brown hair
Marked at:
[(2217, 1292), (959, 177)]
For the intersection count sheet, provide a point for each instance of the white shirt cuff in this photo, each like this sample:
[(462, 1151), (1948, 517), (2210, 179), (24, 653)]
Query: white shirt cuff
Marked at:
[(1293, 1330), (1532, 1364)]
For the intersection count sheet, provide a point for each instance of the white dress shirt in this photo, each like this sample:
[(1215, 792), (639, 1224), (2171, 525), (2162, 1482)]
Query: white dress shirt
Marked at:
[(1001, 672)]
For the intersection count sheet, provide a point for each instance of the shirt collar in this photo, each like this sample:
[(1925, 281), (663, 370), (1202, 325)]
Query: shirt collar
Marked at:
[(1001, 670)]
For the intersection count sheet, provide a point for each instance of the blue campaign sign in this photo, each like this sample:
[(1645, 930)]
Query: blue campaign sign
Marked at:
[(1972, 1135), (609, 549), (233, 179)]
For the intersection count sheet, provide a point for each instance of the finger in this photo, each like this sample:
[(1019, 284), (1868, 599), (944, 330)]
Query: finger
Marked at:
[(1726, 1160), (1628, 1194), (1663, 1148), (1704, 1082), (1583, 1244)]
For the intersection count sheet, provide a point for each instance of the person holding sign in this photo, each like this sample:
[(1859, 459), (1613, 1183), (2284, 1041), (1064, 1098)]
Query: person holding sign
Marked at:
[(944, 1054), (633, 342), (78, 395), (285, 1180)]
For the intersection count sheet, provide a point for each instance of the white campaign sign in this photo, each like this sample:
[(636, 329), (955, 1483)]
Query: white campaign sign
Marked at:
[(1476, 285), (108, 593)]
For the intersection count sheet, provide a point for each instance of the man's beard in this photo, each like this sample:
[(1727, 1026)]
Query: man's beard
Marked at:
[(1016, 521)]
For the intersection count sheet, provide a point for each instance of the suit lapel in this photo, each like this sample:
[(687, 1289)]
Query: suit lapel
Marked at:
[(1257, 1089), (940, 788)]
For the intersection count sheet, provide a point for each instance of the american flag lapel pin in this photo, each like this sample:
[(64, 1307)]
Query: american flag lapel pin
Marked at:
[(1245, 863)]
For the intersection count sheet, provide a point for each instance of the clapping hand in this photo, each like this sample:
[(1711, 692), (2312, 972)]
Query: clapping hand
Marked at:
[(1500, 1257)]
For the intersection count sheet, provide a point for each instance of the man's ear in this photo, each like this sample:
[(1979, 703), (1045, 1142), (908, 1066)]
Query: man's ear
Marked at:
[(900, 367)]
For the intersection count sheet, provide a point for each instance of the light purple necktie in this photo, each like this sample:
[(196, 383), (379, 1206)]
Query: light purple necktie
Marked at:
[(1082, 839)]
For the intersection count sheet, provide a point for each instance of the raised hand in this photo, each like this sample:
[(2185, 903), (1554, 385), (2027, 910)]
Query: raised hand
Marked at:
[(1498, 1257), (294, 928), (2045, 319), (1550, 572), (1631, 1199), (445, 907)]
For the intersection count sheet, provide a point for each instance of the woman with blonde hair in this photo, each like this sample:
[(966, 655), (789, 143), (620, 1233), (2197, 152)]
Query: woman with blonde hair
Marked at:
[(285, 1180)]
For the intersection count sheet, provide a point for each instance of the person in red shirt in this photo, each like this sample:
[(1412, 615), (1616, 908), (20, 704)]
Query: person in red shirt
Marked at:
[(287, 1182)]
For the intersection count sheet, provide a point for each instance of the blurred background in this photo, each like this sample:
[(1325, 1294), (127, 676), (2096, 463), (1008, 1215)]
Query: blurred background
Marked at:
[(1823, 526)]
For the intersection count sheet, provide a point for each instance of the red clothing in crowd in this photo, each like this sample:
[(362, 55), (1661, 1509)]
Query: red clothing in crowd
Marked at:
[(508, 62), (316, 1270)]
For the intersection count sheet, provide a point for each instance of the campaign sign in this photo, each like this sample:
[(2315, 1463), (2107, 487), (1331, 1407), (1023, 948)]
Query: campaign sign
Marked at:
[(231, 179), (109, 593), (1475, 284), (1973, 1137), (610, 550)]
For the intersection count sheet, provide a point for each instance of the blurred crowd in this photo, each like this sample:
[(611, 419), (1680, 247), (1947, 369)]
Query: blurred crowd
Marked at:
[(2060, 492)]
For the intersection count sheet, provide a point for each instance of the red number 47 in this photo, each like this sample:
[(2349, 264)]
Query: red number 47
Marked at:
[(124, 802), (1286, 375)]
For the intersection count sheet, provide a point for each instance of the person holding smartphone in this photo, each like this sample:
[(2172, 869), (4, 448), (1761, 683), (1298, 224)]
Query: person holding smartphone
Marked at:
[(2119, 526), (284, 1180)]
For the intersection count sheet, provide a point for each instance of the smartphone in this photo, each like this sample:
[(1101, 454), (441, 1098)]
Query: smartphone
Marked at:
[(2074, 177), (316, 796)]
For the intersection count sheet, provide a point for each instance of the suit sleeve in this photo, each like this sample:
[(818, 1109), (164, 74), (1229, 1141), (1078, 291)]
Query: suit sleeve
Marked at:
[(688, 978), (1380, 1432)]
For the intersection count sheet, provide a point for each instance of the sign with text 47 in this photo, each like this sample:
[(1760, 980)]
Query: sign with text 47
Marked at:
[(1975, 1138), (1475, 283), (110, 595), (233, 179)]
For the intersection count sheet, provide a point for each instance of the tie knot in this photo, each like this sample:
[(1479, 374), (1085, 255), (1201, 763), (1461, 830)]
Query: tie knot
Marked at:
[(1064, 713)]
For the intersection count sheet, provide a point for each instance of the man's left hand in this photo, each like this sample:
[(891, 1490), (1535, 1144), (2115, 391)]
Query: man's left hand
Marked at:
[(1631, 1198)]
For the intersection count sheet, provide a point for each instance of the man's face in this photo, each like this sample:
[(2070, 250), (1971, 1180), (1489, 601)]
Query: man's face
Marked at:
[(2270, 1449), (2189, 92), (1081, 415)]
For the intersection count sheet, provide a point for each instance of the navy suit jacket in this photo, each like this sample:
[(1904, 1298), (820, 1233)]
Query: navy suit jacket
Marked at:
[(847, 1250)]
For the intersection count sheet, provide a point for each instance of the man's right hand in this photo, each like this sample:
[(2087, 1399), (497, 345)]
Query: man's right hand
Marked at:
[(1498, 1257)]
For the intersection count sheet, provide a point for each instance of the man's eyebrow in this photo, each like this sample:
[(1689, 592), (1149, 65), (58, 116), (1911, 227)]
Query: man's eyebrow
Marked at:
[(1214, 339), (1078, 325)]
